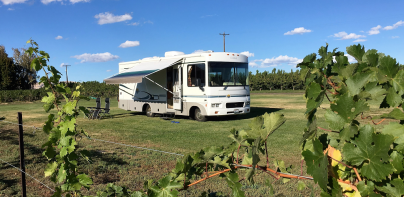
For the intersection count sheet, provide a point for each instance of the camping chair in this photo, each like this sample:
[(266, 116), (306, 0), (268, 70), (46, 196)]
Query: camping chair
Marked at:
[(94, 111), (105, 111)]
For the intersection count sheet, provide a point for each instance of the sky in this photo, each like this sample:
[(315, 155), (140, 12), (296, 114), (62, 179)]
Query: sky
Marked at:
[(93, 36)]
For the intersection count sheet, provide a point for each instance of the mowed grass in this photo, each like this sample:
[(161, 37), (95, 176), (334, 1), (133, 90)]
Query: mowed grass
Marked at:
[(130, 167)]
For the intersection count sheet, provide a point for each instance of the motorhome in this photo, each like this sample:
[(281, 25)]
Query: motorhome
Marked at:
[(196, 85)]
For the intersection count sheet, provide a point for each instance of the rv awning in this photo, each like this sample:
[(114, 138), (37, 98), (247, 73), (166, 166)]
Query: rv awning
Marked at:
[(140, 70)]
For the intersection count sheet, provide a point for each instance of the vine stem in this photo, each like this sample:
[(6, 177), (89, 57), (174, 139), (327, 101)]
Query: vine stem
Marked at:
[(50, 84), (372, 118), (238, 153), (327, 97), (356, 171), (266, 152), (328, 130)]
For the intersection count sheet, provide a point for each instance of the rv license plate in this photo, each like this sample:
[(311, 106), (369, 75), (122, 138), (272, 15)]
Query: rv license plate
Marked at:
[(236, 111)]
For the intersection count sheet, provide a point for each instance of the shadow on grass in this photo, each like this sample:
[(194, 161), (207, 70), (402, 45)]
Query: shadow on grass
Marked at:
[(7, 183)]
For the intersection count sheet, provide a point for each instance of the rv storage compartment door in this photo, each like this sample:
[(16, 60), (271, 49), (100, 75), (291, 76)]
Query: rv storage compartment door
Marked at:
[(177, 101)]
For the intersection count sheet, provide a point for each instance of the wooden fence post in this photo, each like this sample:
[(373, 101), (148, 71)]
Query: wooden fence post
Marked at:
[(22, 161)]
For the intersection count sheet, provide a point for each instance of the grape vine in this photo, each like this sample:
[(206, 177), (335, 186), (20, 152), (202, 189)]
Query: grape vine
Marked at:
[(361, 154)]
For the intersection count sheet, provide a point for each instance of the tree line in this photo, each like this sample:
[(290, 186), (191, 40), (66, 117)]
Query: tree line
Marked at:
[(16, 72), (275, 80)]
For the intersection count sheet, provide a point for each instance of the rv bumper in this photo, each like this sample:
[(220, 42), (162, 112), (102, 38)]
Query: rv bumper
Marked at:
[(227, 111)]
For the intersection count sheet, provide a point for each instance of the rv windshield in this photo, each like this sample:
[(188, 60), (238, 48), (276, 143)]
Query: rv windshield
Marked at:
[(228, 74)]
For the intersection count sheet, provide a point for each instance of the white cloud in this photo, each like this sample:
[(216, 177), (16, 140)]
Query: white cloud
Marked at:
[(360, 40), (299, 30), (135, 24), (198, 51), (253, 64), (9, 2), (48, 1), (96, 57), (344, 36), (129, 44), (109, 70), (148, 21), (62, 64), (375, 30), (105, 18), (247, 53), (394, 37), (11, 9), (78, 1), (58, 37), (276, 61), (399, 23), (351, 59)]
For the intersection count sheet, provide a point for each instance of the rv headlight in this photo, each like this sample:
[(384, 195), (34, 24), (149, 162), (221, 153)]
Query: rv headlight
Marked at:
[(217, 104), (213, 105), (247, 103)]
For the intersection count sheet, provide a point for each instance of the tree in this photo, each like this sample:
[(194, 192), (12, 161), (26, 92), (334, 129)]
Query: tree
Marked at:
[(7, 70), (26, 76)]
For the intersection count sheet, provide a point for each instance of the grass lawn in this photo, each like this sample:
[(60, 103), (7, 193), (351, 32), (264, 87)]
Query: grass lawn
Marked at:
[(130, 166)]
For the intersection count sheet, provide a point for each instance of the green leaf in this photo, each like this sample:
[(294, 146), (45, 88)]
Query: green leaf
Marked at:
[(314, 97), (356, 82), (67, 126), (344, 105), (317, 164), (348, 132), (395, 114), (272, 122), (335, 121), (62, 174), (366, 189), (220, 161), (392, 98), (397, 162), (398, 82), (271, 188), (256, 123), (301, 185), (63, 152), (397, 130), (50, 168), (48, 124), (388, 66), (375, 90), (49, 152), (357, 51), (70, 107), (84, 180), (255, 159), (371, 150), (232, 181), (397, 190)]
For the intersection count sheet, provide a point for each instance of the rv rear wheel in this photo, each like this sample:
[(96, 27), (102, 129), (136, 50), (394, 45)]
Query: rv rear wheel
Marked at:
[(149, 112), (198, 115)]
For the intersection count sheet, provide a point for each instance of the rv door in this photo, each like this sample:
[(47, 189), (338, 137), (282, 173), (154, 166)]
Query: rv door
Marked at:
[(177, 101)]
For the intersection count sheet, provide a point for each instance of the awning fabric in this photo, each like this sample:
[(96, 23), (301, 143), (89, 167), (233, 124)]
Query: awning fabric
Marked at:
[(140, 70)]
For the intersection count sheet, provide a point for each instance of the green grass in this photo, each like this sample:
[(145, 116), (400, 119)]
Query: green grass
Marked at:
[(278, 91), (130, 166)]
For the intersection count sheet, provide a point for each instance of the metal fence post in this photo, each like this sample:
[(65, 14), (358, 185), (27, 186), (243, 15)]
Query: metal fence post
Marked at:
[(22, 161)]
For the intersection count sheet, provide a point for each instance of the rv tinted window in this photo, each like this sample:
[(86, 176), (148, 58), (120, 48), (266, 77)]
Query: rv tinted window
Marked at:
[(196, 75), (228, 74)]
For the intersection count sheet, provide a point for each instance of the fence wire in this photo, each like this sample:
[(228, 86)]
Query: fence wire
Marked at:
[(28, 175)]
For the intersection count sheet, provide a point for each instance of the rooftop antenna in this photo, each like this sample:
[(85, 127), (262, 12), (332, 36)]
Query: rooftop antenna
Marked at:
[(224, 41), (67, 78)]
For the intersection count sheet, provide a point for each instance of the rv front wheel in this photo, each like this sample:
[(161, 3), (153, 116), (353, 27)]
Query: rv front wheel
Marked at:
[(198, 115), (149, 112)]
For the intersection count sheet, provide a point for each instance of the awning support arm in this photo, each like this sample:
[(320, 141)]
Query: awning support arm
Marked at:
[(162, 87)]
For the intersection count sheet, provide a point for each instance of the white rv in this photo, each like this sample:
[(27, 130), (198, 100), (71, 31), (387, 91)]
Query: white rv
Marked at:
[(195, 85)]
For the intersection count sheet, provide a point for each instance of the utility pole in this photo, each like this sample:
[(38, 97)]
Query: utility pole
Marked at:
[(67, 78), (224, 41)]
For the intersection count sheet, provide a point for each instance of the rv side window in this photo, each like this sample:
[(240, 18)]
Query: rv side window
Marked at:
[(196, 75)]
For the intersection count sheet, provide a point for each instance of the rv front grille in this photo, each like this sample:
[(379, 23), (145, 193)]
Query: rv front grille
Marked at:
[(234, 105)]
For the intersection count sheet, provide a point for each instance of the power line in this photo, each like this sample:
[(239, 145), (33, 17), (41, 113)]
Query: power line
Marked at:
[(28, 175)]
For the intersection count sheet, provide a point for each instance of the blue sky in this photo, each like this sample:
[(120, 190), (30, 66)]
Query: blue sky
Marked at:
[(93, 36)]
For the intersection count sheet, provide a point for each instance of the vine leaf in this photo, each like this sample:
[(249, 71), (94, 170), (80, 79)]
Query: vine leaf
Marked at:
[(165, 188), (397, 161), (314, 97), (356, 82), (397, 190), (371, 149), (397, 130), (84, 180), (301, 186), (375, 91), (393, 99), (335, 121), (50, 168), (366, 189), (395, 114), (388, 66), (398, 82), (232, 181), (357, 51), (272, 122), (317, 163)]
